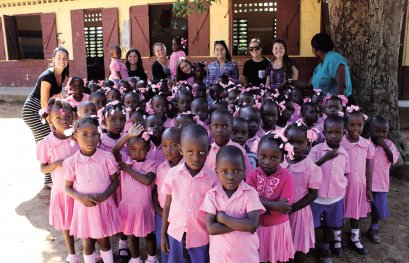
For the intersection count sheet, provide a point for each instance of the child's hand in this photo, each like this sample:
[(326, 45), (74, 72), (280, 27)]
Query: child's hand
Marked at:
[(369, 197), (99, 198), (136, 130), (164, 244), (220, 216), (283, 206), (331, 154), (124, 166), (88, 200), (381, 142)]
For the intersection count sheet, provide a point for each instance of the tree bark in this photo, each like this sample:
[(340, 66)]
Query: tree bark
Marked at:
[(367, 33)]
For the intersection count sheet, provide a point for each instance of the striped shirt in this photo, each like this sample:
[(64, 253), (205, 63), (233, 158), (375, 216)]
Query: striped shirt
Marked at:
[(229, 69)]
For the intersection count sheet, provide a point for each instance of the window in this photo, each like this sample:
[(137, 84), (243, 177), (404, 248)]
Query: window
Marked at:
[(94, 47)]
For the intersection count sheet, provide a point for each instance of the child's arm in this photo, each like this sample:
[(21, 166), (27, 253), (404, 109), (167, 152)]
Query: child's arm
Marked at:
[(86, 199), (214, 227), (306, 200), (381, 142), (283, 206), (155, 201), (132, 132), (368, 181), (164, 243), (246, 224), (145, 179), (101, 197), (328, 156), (49, 167)]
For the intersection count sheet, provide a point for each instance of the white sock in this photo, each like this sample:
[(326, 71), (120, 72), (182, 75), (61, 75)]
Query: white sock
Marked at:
[(135, 260), (72, 258), (337, 237), (355, 237), (152, 258), (89, 258), (107, 256)]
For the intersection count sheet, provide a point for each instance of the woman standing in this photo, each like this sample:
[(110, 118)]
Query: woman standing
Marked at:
[(160, 68), (254, 70), (48, 85), (223, 65), (134, 64)]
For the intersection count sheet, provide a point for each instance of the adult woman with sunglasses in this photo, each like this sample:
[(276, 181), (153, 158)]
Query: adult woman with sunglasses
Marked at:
[(254, 70), (223, 65)]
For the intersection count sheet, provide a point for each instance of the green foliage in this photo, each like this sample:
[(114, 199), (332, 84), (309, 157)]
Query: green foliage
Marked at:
[(182, 8)]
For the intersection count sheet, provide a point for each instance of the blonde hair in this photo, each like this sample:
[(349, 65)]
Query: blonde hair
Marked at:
[(256, 40), (158, 44)]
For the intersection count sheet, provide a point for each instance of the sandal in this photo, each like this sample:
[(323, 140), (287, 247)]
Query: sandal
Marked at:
[(124, 258), (362, 251)]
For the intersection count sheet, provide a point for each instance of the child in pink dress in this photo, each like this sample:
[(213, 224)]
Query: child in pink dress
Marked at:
[(185, 187), (307, 177), (78, 96), (91, 177), (118, 69), (358, 192), (385, 155), (310, 115), (232, 211), (51, 153), (159, 106), (178, 44), (86, 109), (136, 212), (275, 189), (113, 118)]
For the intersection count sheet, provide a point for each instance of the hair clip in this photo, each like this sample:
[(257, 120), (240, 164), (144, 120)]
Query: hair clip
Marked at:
[(183, 42), (300, 122), (352, 108), (282, 105), (68, 132), (340, 114)]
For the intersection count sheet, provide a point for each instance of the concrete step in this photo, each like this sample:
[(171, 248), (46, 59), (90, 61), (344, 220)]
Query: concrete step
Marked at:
[(15, 94)]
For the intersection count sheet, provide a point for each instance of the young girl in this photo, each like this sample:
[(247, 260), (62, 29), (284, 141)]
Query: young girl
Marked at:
[(113, 119), (185, 187), (51, 153), (91, 176), (136, 212), (154, 126), (160, 107), (310, 116), (333, 105), (183, 101), (170, 142), (275, 189), (269, 115), (178, 44), (232, 211), (297, 96), (117, 67), (86, 109), (200, 72), (286, 111), (252, 116), (113, 95), (78, 97), (184, 119), (131, 103), (385, 155), (200, 108), (215, 94), (245, 99), (358, 192), (98, 98), (307, 177)]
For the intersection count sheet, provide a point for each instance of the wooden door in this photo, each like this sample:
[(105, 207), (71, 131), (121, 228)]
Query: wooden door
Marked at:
[(288, 24), (2, 45), (49, 33), (10, 25), (140, 37), (78, 43), (199, 34), (110, 34)]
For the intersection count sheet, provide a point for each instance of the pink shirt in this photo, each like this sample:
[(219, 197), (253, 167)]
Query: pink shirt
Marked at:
[(161, 173), (118, 69), (306, 174), (275, 187), (358, 154), (230, 247), (253, 142), (173, 61), (187, 196), (90, 174), (297, 113), (334, 181), (75, 103), (380, 165), (211, 158), (169, 123), (155, 153), (51, 149)]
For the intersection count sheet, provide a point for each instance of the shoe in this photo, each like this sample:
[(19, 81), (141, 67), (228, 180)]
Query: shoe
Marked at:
[(325, 256), (154, 260), (373, 235), (125, 256), (135, 260), (362, 251), (336, 251), (72, 259)]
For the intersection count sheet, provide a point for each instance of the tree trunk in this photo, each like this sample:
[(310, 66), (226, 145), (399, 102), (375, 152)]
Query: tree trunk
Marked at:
[(367, 33)]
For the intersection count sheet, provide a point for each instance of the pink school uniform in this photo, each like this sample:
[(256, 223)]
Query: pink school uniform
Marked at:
[(137, 216), (118, 70), (49, 150), (296, 114), (169, 123), (306, 174), (274, 231), (91, 175), (161, 173), (75, 103), (173, 61), (155, 153), (235, 246), (356, 202), (187, 196), (214, 148)]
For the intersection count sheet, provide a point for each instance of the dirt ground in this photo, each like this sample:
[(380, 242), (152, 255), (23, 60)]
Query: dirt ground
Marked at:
[(28, 237)]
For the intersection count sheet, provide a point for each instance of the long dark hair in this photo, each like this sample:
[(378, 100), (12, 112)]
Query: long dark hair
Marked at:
[(66, 72), (288, 66), (223, 43), (138, 63), (180, 75)]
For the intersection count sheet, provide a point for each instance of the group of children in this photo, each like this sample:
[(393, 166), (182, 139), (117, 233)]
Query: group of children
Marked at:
[(220, 174)]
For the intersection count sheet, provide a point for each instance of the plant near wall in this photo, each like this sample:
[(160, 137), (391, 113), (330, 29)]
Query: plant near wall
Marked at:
[(182, 8)]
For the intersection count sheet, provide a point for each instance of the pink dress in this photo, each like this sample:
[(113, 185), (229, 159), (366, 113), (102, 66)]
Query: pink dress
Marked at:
[(136, 212), (118, 70), (91, 175), (356, 202), (75, 103), (49, 150), (306, 174), (274, 231), (235, 246), (173, 61)]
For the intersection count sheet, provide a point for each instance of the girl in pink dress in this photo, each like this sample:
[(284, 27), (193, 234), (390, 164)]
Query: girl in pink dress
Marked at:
[(131, 103), (307, 177), (178, 44), (91, 177), (358, 193), (136, 212), (78, 96), (51, 153), (118, 69), (275, 188)]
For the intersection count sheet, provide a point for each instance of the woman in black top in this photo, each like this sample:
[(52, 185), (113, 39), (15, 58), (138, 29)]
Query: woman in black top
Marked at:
[(160, 68), (134, 64), (254, 70)]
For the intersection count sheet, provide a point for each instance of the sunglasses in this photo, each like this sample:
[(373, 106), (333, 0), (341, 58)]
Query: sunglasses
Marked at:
[(254, 48)]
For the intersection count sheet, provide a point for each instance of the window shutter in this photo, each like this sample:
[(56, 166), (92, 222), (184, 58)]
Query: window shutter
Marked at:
[(140, 37), (288, 24), (78, 43), (49, 32), (2, 46), (10, 25), (110, 34), (199, 34)]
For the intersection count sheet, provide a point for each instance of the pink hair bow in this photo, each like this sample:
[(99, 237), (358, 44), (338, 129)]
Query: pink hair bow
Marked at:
[(61, 111), (147, 135), (290, 150), (340, 114), (45, 110), (183, 42), (312, 135), (282, 105), (307, 100), (353, 108), (343, 99), (149, 108), (257, 105), (236, 114)]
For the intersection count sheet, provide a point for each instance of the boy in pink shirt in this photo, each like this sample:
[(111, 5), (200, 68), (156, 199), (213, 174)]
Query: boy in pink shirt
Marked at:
[(334, 163), (185, 187), (232, 211), (385, 155)]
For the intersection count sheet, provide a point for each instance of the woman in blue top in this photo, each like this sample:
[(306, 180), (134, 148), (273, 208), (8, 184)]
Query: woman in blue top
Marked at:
[(223, 65), (332, 75)]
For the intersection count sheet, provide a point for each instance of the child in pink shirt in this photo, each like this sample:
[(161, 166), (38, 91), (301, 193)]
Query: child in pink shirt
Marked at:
[(51, 153), (118, 69), (232, 211), (154, 126), (252, 116), (307, 177), (358, 192), (78, 96), (334, 163), (275, 190), (91, 177), (136, 212), (310, 115), (185, 187), (113, 118), (86, 109), (385, 155), (178, 44), (131, 103)]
